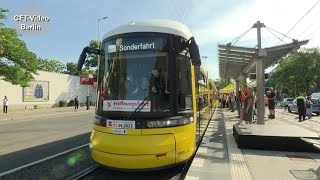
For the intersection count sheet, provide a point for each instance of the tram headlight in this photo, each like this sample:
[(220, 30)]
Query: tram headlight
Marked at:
[(99, 122), (170, 122)]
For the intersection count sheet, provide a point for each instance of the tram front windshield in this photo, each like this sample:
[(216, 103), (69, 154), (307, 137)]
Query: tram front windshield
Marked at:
[(135, 69)]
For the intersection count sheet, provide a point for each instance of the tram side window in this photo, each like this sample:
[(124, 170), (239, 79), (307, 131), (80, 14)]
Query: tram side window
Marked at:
[(184, 85), (201, 90), (197, 79)]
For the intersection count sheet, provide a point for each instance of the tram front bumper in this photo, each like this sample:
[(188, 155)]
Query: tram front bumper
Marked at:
[(133, 152)]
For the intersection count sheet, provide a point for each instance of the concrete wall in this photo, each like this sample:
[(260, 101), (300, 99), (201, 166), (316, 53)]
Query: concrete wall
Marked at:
[(61, 87)]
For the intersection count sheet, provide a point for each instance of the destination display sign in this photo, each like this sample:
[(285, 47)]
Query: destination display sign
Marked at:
[(136, 44)]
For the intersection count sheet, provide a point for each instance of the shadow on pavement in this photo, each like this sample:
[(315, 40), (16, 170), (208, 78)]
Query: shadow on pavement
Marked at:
[(26, 156)]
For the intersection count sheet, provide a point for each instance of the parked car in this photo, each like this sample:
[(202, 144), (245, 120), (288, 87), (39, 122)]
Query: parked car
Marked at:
[(316, 95), (315, 106), (286, 101)]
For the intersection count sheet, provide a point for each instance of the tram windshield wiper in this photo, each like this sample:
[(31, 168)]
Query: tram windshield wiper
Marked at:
[(141, 105)]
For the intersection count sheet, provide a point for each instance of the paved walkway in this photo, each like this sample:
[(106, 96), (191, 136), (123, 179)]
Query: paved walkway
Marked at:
[(15, 114), (219, 158)]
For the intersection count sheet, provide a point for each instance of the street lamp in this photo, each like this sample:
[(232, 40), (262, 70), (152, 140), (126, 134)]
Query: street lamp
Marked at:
[(88, 96), (99, 28)]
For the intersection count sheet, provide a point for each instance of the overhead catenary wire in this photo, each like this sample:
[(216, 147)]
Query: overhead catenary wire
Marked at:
[(185, 11), (166, 6), (311, 26), (301, 19), (313, 32), (305, 30), (181, 9), (171, 13), (177, 10), (180, 6)]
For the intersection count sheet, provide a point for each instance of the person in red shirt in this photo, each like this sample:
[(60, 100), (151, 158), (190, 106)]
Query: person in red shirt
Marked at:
[(244, 94)]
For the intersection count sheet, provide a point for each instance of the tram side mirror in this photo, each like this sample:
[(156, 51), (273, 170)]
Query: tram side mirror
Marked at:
[(82, 58), (194, 53)]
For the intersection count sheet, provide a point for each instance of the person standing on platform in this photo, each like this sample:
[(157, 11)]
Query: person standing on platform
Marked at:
[(271, 103), (301, 107), (244, 94), (309, 107), (232, 100), (248, 107), (238, 103), (5, 104), (223, 101)]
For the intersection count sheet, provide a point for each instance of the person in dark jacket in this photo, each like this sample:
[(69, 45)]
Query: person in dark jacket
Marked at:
[(301, 103), (76, 103), (271, 103)]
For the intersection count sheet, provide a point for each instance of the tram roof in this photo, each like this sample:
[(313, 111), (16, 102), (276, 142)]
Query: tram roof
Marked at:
[(235, 61), (154, 25)]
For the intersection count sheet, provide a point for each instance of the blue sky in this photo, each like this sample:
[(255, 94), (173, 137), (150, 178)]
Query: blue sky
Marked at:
[(74, 22)]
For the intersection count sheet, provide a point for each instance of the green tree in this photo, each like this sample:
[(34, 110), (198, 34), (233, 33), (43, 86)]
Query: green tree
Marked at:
[(17, 63), (86, 72), (299, 71), (92, 59), (51, 65), (220, 83), (72, 68)]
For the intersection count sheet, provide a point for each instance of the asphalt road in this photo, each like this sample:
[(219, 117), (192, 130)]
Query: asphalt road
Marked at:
[(31, 137)]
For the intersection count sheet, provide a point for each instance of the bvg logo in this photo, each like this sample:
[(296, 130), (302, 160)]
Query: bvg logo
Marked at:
[(112, 48), (109, 123)]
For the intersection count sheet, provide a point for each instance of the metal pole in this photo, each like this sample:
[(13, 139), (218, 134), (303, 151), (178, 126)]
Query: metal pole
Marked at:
[(244, 78), (99, 30), (260, 79), (237, 86)]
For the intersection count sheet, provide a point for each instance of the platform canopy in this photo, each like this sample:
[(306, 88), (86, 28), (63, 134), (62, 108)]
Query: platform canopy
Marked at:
[(227, 89), (235, 61)]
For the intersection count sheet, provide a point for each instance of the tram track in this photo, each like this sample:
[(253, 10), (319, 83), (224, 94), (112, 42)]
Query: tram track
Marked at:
[(58, 166), (76, 163)]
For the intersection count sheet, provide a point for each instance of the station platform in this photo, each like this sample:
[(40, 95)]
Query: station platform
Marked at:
[(219, 157)]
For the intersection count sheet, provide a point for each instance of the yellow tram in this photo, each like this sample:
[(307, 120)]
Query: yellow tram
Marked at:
[(153, 96)]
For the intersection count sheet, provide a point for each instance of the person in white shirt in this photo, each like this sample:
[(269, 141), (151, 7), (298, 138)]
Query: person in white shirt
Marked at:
[(5, 104)]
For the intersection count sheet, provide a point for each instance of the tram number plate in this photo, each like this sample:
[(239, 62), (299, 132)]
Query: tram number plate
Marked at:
[(121, 124), (119, 131)]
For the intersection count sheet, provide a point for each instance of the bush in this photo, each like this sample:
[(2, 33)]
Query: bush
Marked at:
[(62, 103), (71, 103)]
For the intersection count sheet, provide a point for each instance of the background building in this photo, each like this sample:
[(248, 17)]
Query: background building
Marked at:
[(46, 90)]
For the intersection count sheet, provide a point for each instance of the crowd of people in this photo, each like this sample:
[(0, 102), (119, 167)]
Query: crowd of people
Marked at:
[(245, 103)]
